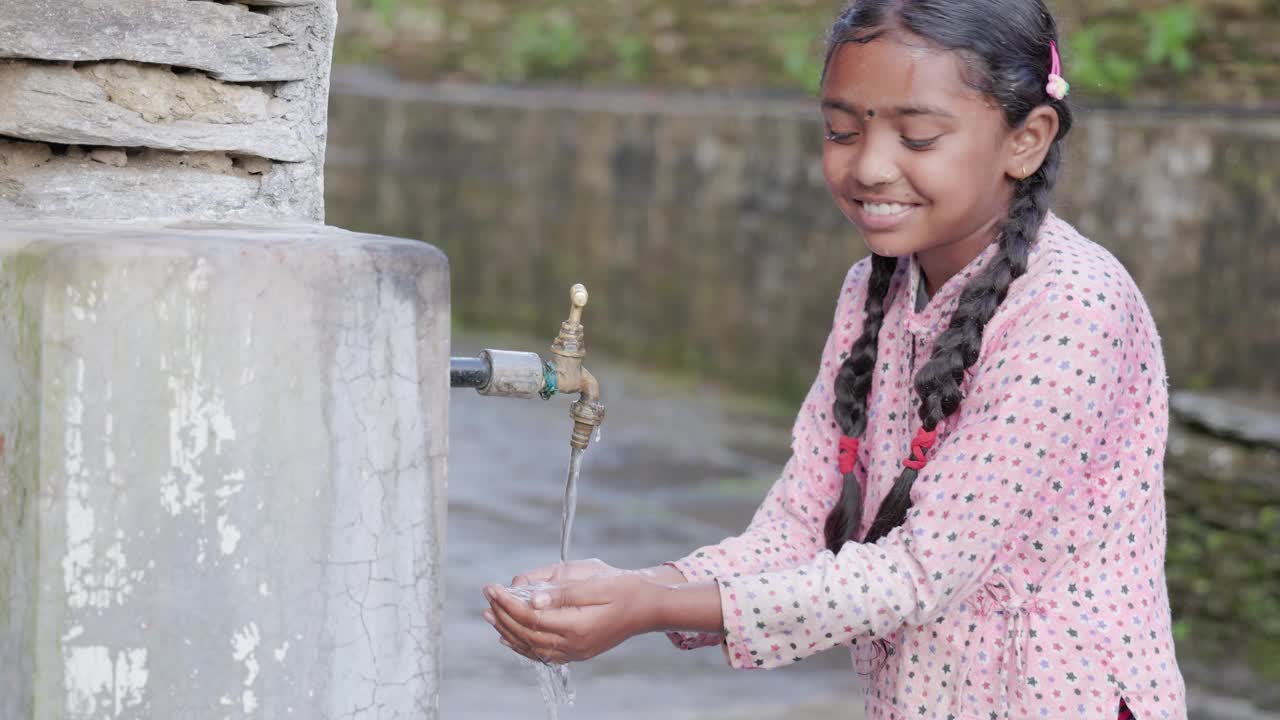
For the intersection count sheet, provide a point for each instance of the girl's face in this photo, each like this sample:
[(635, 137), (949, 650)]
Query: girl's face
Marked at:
[(917, 159)]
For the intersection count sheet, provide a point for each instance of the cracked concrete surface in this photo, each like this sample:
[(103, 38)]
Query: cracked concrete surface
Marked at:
[(224, 463)]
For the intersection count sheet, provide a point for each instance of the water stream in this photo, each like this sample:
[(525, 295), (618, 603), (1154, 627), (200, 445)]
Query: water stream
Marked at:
[(553, 680), (570, 503)]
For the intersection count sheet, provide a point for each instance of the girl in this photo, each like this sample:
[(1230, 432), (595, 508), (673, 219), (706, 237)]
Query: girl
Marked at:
[(992, 544)]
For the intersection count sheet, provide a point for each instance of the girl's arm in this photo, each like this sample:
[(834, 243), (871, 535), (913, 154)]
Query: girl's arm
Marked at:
[(689, 607)]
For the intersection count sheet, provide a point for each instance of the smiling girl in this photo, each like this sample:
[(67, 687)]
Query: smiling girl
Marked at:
[(974, 503)]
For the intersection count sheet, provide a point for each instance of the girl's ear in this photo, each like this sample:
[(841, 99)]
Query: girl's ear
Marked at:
[(1027, 145)]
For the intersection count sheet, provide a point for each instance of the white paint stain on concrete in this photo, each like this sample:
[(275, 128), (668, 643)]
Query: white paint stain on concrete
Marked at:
[(248, 701), (90, 578), (130, 679), (244, 649), (99, 684), (232, 484), (198, 416), (228, 535), (87, 677)]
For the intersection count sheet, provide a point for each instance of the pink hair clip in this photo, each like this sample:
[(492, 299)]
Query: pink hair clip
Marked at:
[(1058, 86)]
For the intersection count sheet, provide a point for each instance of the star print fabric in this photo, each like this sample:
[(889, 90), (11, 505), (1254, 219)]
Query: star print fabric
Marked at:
[(1028, 579)]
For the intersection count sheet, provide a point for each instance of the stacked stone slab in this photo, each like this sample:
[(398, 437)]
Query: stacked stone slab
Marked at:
[(117, 109)]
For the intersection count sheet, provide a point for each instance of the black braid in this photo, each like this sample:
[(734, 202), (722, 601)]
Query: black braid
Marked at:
[(1012, 66), (852, 386)]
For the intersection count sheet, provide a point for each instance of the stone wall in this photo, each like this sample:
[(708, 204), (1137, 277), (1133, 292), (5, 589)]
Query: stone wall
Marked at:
[(114, 109), (704, 229), (1222, 485)]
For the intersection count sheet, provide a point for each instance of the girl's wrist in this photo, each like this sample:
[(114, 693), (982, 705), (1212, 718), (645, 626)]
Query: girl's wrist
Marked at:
[(666, 574), (687, 607)]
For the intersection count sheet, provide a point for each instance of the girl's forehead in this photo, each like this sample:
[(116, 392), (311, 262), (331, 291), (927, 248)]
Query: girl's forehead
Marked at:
[(889, 73)]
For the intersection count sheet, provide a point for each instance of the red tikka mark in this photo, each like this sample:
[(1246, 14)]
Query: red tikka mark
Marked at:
[(919, 444), (848, 453)]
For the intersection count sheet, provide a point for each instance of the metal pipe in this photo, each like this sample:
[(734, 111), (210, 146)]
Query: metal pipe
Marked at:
[(515, 374), (469, 372)]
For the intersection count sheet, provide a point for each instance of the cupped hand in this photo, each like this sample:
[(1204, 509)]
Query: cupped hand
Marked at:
[(575, 621), (563, 573)]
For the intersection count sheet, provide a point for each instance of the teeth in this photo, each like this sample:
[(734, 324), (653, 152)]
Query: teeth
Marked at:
[(884, 208)]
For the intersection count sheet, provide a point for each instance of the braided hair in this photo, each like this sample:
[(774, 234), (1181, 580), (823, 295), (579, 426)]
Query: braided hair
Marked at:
[(1005, 48)]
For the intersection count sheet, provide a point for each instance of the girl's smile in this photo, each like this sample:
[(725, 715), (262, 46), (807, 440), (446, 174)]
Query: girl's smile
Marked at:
[(877, 214)]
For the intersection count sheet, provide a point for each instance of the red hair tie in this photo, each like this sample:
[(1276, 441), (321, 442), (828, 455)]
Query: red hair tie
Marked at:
[(922, 442), (848, 454)]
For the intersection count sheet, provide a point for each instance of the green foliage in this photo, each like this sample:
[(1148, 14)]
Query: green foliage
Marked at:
[(357, 51), (387, 10), (632, 53), (1176, 49), (1104, 55), (801, 62), (1097, 69), (1170, 33), (543, 45)]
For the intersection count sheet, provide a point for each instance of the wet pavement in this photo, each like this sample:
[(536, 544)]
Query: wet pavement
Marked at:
[(679, 466)]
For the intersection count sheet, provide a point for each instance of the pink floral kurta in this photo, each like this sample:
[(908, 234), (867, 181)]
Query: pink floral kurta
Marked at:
[(1028, 580)]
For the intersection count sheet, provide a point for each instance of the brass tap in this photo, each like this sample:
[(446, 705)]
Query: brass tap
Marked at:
[(515, 374), (567, 352)]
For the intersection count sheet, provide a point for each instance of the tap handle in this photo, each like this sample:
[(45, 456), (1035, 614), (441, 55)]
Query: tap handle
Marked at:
[(577, 301)]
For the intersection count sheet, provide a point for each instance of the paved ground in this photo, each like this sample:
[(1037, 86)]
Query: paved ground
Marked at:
[(678, 467)]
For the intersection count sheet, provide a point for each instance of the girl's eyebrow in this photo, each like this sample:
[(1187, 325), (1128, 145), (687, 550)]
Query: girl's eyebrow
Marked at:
[(912, 110), (902, 111)]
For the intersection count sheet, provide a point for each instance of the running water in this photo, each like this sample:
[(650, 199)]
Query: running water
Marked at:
[(570, 503), (553, 680)]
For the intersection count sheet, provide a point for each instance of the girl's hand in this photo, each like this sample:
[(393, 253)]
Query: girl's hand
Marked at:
[(577, 621), (561, 574), (578, 570)]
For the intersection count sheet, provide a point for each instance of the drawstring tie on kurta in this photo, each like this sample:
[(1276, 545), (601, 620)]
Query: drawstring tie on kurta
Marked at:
[(999, 598)]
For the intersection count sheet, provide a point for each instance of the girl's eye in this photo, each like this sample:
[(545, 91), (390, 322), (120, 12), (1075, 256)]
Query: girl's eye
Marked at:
[(920, 144), (841, 138)]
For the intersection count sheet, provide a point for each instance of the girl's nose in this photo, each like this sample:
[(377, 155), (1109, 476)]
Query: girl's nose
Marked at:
[(876, 162)]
